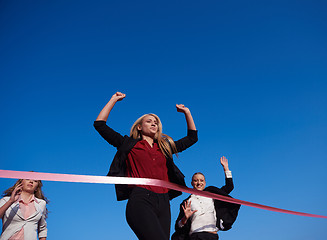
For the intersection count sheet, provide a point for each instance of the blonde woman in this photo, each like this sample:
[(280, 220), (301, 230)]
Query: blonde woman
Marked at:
[(146, 153), (23, 211)]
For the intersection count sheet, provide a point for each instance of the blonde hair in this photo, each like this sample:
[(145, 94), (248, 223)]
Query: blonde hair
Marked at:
[(197, 174), (38, 192), (166, 143)]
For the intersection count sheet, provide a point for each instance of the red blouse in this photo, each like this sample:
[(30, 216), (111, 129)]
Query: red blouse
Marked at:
[(144, 161)]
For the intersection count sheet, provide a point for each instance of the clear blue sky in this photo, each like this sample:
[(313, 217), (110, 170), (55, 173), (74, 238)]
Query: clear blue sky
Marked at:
[(253, 73)]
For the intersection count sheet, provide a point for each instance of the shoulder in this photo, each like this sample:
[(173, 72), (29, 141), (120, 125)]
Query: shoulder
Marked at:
[(186, 199), (5, 199), (129, 142), (41, 202), (213, 189), (216, 190)]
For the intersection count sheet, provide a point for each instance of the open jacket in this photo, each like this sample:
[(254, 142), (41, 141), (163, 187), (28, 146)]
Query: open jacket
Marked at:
[(227, 212), (13, 220), (124, 145)]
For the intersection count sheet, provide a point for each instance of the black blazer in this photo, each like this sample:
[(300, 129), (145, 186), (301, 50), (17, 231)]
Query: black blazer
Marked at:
[(124, 145), (226, 211)]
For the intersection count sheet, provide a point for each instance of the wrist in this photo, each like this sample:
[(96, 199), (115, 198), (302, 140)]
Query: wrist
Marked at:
[(113, 100), (187, 112), (184, 220), (228, 174)]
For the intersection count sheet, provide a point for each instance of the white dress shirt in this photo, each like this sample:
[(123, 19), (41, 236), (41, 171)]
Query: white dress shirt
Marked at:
[(204, 219)]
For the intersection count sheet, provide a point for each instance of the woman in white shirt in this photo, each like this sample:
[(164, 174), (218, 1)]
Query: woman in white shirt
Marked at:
[(23, 211), (200, 218)]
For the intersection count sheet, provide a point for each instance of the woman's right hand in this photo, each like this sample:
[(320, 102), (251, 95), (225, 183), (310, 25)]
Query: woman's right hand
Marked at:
[(118, 96), (15, 194), (187, 210)]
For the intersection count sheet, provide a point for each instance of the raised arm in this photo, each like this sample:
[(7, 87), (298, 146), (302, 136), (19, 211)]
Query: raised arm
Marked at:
[(188, 116), (229, 185), (13, 198), (112, 137), (103, 115), (192, 136)]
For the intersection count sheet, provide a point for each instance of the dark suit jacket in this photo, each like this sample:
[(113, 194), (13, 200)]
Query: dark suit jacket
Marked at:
[(226, 211), (124, 145)]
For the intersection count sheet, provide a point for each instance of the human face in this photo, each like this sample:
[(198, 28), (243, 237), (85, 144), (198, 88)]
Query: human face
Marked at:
[(198, 182), (149, 126), (29, 185)]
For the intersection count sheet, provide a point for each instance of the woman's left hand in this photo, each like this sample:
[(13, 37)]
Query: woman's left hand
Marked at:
[(15, 193), (189, 119), (182, 108), (224, 163)]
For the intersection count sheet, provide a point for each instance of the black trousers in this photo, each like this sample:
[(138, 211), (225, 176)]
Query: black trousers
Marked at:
[(204, 236), (148, 214)]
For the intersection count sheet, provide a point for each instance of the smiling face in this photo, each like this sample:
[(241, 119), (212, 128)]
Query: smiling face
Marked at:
[(149, 126), (29, 185), (198, 181)]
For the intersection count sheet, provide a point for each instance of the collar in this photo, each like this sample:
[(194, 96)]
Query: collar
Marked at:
[(33, 198), (146, 143)]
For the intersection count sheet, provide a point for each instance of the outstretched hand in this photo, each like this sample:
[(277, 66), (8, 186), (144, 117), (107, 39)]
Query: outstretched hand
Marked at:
[(182, 108), (187, 209), (224, 163), (118, 96)]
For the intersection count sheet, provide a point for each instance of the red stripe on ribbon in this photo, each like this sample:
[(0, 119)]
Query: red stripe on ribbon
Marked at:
[(140, 181)]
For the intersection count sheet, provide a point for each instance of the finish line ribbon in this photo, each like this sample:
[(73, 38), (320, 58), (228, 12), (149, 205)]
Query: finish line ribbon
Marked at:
[(139, 181)]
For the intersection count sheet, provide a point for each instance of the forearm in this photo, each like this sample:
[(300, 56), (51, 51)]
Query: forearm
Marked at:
[(103, 115), (4, 208), (229, 186), (226, 168), (43, 238), (189, 121)]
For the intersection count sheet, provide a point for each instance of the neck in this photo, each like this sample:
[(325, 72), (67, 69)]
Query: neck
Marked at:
[(148, 139), (26, 196)]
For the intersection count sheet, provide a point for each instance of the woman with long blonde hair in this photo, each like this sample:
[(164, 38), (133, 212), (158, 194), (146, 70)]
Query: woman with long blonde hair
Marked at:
[(23, 211), (146, 153)]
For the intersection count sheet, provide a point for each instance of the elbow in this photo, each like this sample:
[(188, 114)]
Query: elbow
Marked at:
[(193, 135), (98, 124), (231, 188)]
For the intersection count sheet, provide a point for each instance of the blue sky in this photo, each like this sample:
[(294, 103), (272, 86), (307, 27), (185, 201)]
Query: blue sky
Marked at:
[(253, 73)]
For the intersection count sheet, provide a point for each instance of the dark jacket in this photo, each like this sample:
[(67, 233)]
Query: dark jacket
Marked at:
[(226, 211), (124, 144)]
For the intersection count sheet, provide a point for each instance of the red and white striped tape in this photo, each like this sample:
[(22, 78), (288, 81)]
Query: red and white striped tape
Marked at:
[(139, 181)]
